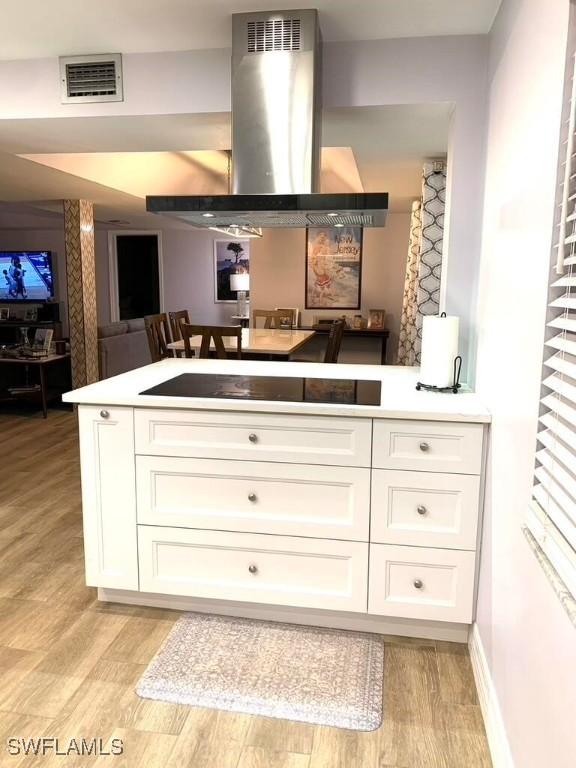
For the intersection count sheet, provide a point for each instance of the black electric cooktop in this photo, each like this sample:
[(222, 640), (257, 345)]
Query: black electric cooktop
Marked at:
[(289, 389)]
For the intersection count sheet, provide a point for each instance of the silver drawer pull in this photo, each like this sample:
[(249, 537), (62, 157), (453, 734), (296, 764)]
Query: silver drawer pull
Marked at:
[(424, 447), (252, 497), (105, 414), (253, 437), (421, 509), (253, 568), (418, 583)]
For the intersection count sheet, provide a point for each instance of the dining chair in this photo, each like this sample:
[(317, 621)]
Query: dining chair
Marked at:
[(333, 345), (273, 318), (334, 341), (176, 320), (209, 333), (158, 333)]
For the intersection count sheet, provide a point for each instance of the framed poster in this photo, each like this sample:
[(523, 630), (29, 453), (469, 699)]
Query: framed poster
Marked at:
[(333, 267), (230, 256)]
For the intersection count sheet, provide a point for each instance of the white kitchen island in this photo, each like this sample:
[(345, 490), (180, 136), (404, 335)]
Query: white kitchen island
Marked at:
[(352, 516)]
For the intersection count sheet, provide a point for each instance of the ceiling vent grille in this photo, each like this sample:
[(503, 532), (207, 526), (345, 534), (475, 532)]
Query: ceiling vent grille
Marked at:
[(273, 35), (87, 79)]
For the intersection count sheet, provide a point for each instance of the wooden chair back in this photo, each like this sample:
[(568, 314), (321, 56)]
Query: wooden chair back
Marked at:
[(273, 318), (334, 341), (176, 319), (209, 334), (158, 333)]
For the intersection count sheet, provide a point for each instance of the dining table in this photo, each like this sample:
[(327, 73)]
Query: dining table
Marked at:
[(274, 343)]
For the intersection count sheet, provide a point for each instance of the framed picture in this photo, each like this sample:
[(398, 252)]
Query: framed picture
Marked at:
[(43, 338), (333, 267), (376, 318), (230, 256), (4, 313), (30, 314)]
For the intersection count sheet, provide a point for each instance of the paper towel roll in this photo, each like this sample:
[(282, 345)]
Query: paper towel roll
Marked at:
[(439, 348)]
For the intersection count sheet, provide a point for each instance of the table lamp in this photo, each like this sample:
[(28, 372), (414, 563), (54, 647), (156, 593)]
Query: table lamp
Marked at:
[(240, 284)]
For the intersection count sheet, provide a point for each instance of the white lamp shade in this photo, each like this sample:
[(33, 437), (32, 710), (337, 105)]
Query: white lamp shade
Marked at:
[(240, 281)]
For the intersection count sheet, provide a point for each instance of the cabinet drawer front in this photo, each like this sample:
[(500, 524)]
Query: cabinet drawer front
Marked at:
[(278, 570), (428, 446), (421, 583), (256, 437), (254, 497), (424, 509)]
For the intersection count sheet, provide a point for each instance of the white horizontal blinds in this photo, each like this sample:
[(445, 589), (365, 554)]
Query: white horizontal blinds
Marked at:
[(567, 224), (553, 516)]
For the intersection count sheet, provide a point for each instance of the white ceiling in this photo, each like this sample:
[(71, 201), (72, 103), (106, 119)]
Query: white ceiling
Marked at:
[(39, 28)]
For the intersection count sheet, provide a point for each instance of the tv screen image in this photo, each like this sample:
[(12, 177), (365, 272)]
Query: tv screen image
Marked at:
[(26, 276)]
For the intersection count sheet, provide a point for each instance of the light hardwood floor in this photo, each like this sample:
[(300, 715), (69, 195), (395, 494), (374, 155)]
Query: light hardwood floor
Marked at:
[(69, 664)]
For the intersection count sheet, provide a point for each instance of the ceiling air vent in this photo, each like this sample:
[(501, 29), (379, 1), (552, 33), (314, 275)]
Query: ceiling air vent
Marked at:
[(273, 35), (86, 79)]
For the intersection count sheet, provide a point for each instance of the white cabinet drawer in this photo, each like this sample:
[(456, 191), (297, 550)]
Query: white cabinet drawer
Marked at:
[(256, 437), (279, 570), (420, 583), (254, 497), (424, 509), (429, 446)]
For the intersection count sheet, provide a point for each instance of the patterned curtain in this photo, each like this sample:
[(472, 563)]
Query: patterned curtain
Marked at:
[(424, 266), (408, 335)]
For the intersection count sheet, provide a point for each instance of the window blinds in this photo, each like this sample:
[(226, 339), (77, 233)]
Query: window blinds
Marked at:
[(552, 518)]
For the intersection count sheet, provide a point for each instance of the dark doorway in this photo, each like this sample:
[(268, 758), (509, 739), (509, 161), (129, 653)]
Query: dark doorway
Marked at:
[(138, 275)]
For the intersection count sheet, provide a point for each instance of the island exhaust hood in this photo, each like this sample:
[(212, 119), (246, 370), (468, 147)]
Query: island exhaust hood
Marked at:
[(276, 113)]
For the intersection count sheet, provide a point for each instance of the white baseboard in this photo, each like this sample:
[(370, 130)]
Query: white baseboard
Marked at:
[(433, 630), (493, 722)]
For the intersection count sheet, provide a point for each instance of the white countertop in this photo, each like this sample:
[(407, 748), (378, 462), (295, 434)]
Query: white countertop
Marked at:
[(400, 400)]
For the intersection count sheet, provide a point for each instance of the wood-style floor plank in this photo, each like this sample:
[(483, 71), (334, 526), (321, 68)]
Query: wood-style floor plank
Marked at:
[(69, 665), (260, 757)]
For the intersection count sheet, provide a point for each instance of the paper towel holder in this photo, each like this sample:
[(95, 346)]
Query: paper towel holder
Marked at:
[(454, 387)]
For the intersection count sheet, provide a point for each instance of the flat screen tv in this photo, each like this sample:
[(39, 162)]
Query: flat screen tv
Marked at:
[(26, 276)]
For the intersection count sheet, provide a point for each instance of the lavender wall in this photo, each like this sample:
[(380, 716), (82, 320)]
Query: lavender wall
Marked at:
[(189, 275), (528, 639)]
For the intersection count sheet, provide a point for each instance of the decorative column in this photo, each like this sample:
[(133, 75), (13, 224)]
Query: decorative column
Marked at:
[(81, 281)]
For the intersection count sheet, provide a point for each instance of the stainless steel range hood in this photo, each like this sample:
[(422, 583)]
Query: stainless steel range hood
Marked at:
[(276, 113)]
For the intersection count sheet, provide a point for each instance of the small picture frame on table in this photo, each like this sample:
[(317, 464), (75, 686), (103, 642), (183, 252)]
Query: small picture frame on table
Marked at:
[(376, 319), (43, 338), (30, 315), (4, 313)]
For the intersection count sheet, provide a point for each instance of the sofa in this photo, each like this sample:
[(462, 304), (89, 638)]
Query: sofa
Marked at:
[(122, 347)]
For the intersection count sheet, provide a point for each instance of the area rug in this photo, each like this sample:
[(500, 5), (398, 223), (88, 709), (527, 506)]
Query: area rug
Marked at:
[(307, 674)]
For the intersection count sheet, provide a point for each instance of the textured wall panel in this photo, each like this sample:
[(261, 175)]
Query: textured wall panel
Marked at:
[(81, 279)]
